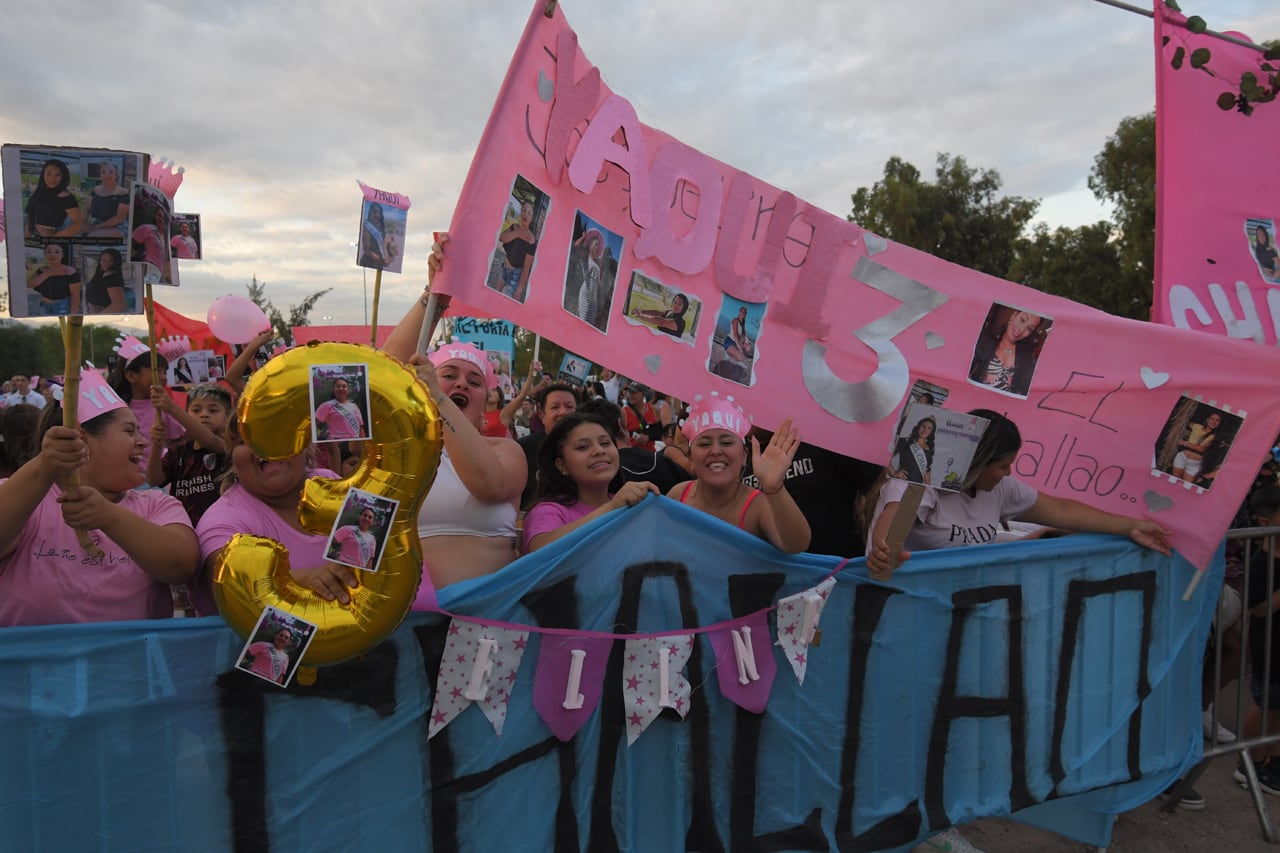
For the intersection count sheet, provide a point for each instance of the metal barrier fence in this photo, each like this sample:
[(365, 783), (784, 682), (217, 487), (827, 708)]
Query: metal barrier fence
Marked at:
[(1234, 630)]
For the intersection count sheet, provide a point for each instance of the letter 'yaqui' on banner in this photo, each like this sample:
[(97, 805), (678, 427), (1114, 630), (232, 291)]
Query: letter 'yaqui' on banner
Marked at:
[(663, 263), (1217, 268), (68, 230)]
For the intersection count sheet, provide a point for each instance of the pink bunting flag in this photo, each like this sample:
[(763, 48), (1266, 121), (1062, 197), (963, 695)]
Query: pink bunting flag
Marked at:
[(745, 663), (479, 665), (569, 681), (798, 617), (651, 680)]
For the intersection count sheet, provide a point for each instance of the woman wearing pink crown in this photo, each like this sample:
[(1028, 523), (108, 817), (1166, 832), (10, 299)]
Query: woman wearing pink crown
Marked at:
[(145, 538), (467, 524), (715, 429)]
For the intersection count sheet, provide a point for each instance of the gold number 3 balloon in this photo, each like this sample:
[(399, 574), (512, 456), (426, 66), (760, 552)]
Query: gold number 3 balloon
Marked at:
[(399, 462)]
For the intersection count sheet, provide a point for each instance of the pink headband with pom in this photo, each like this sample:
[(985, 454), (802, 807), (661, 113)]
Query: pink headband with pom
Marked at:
[(469, 353)]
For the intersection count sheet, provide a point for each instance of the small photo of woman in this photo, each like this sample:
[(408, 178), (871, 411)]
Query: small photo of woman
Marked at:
[(150, 235), (107, 216), (592, 271), (1008, 349), (109, 285), (184, 237), (382, 234), (733, 346), (517, 243), (1194, 441), (359, 534), (1261, 234), (339, 402), (663, 309), (51, 275), (276, 646)]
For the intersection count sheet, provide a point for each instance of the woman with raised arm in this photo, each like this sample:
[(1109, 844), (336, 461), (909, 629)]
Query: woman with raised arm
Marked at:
[(715, 429), (467, 524)]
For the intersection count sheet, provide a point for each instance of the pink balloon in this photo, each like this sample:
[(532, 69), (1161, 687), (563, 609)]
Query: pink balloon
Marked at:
[(236, 320)]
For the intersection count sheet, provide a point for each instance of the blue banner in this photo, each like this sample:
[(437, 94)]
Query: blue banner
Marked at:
[(1057, 681)]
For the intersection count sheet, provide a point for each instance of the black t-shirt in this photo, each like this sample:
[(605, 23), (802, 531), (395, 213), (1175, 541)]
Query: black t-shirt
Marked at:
[(192, 474), (650, 466), (678, 319), (826, 485), (96, 294), (58, 286)]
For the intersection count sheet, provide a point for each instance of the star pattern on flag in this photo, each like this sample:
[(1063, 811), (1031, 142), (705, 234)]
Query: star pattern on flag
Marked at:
[(790, 615), (642, 674), (463, 646)]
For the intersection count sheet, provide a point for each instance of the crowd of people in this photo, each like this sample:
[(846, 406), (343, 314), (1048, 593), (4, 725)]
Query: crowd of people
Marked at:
[(104, 521)]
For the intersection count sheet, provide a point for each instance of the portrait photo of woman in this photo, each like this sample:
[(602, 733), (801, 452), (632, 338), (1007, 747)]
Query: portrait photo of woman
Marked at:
[(52, 281), (52, 209), (1194, 441), (912, 458), (106, 291), (1260, 234), (1008, 349), (108, 212)]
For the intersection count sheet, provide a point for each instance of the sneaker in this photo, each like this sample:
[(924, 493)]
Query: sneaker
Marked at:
[(1191, 799), (948, 841), (1268, 776), (1225, 735)]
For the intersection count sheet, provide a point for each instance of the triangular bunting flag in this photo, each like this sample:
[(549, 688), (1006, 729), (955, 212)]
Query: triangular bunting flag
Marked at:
[(651, 680), (479, 665), (798, 617)]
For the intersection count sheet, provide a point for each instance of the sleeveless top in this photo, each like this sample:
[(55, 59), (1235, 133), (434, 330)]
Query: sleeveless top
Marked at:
[(742, 517), (451, 510)]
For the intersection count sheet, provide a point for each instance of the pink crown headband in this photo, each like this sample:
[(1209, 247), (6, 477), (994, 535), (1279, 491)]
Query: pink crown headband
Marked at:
[(96, 396), (173, 348), (128, 347), (468, 352), (715, 412), (163, 175)]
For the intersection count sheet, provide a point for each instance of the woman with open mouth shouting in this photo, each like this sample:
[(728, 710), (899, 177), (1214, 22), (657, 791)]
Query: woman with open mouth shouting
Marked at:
[(144, 541)]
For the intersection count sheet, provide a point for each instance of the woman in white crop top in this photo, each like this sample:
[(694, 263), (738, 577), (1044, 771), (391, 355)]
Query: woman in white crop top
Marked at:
[(467, 522)]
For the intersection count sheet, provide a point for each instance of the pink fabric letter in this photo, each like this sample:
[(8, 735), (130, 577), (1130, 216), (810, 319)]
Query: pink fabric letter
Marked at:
[(755, 287), (597, 146), (572, 106), (691, 253)]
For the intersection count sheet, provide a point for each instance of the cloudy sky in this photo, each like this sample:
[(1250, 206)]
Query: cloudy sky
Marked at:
[(275, 109)]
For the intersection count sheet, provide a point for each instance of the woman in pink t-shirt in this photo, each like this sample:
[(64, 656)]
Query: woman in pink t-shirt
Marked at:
[(356, 546), (144, 539), (261, 497), (270, 660), (577, 467)]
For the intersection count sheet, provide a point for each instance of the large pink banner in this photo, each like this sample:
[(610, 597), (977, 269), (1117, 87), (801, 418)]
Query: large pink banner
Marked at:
[(1217, 192), (643, 254)]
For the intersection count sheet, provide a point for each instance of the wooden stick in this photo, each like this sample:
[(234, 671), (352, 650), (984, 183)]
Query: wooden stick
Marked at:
[(429, 320), (151, 331), (550, 10), (1191, 587), (903, 520), (377, 289), (72, 344)]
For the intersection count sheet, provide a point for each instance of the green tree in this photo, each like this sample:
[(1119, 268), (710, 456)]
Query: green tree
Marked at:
[(960, 217), (299, 315), (1084, 265), (1124, 174)]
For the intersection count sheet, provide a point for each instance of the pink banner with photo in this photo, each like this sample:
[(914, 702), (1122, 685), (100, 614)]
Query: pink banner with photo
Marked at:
[(1217, 191), (644, 255)]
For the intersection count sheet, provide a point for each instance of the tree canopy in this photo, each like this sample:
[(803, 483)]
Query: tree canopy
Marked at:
[(961, 217)]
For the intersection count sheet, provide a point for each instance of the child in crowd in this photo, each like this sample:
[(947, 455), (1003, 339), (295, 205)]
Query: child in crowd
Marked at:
[(193, 465), (133, 382), (1264, 600)]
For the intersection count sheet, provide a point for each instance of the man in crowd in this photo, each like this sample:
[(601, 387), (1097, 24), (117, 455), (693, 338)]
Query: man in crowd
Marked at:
[(553, 402), (22, 392)]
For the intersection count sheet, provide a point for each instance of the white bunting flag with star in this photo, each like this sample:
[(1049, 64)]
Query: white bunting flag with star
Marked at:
[(798, 617), (651, 680), (479, 665)]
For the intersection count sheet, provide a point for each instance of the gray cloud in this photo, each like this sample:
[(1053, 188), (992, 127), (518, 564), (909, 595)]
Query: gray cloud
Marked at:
[(276, 108)]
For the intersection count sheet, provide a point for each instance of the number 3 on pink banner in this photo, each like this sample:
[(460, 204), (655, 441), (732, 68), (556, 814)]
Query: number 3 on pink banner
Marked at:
[(876, 397)]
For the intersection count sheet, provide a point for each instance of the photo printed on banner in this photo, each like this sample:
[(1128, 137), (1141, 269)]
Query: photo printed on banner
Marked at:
[(190, 369), (734, 346), (663, 309), (276, 646), (359, 535), (185, 236), (1261, 236), (592, 271), (78, 200), (573, 369), (112, 283), (339, 402), (517, 243), (1008, 349), (1194, 441)]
